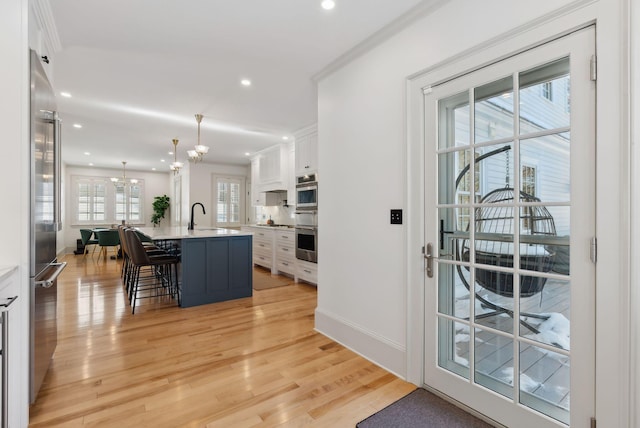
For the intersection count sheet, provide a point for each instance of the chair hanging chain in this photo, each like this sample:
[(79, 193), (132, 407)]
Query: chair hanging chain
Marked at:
[(506, 178)]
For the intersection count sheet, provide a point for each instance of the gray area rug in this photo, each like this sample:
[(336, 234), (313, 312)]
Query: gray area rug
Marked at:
[(421, 408)]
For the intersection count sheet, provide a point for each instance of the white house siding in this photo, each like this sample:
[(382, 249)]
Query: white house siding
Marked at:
[(363, 281)]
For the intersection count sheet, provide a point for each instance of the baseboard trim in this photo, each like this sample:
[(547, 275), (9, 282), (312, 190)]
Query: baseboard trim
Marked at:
[(375, 348)]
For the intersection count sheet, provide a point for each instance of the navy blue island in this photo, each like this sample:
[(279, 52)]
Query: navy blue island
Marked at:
[(216, 264)]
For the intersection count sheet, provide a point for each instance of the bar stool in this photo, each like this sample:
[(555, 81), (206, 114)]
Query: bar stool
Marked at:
[(161, 279)]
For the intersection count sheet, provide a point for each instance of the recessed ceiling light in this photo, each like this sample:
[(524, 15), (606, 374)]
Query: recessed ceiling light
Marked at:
[(285, 138), (90, 163), (153, 169), (328, 4), (77, 125), (65, 94), (247, 154), (161, 160), (171, 153), (245, 82), (87, 153)]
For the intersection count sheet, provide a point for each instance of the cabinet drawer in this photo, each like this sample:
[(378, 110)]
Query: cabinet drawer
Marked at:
[(261, 245), (307, 271), (287, 266), (283, 237), (262, 259), (287, 251)]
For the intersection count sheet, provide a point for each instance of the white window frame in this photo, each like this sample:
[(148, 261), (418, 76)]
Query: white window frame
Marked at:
[(110, 201), (242, 200)]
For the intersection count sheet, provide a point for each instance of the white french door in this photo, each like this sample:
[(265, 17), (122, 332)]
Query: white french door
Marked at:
[(509, 222)]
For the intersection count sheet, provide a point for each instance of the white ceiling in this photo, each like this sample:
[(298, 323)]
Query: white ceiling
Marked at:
[(138, 72)]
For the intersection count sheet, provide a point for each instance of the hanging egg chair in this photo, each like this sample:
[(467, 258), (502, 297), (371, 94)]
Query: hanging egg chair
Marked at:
[(495, 228), (498, 220)]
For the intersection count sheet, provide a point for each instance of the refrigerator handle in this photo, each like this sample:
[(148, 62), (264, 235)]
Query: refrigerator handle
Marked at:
[(48, 282), (57, 153)]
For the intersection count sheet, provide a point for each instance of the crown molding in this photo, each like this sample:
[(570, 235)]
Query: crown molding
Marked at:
[(424, 8), (44, 16)]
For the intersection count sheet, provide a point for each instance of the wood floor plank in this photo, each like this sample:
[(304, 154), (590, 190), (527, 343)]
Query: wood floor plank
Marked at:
[(249, 362)]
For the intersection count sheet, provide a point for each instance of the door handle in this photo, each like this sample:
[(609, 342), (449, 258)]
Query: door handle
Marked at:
[(428, 255)]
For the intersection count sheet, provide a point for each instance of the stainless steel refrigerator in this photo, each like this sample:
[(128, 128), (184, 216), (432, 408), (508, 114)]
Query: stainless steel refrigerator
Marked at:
[(45, 224)]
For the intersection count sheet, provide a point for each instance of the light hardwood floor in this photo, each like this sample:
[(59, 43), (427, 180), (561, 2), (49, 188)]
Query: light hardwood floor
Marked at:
[(243, 363)]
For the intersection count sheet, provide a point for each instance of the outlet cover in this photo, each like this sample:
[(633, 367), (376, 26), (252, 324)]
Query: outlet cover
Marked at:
[(396, 216)]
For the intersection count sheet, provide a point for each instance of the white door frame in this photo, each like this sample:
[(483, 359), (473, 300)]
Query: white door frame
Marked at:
[(612, 224)]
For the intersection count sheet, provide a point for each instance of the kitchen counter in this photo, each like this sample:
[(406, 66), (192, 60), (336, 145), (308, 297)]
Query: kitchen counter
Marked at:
[(215, 264), (182, 232), (274, 227)]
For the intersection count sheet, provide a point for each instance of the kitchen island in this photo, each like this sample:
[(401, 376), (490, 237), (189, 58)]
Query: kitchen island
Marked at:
[(215, 264)]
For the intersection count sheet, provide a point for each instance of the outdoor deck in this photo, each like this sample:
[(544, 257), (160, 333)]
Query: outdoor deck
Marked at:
[(545, 374)]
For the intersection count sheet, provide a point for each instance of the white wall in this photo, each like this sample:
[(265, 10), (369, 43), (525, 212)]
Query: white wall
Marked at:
[(155, 184), (363, 282), (201, 188), (361, 120)]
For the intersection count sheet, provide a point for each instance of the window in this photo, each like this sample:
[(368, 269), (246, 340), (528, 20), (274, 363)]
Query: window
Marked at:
[(98, 201), (229, 201), (547, 90), (529, 180)]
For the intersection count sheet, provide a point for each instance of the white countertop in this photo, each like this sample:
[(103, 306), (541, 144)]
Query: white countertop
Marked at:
[(183, 232), (266, 226)]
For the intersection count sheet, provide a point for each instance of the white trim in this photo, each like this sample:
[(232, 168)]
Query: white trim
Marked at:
[(301, 132), (422, 9), (613, 374), (42, 11), (362, 341), (634, 254)]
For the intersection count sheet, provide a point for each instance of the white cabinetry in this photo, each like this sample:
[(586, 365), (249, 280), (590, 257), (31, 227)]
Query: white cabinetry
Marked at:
[(307, 271), (273, 168), (307, 151), (263, 246), (286, 251), (271, 171)]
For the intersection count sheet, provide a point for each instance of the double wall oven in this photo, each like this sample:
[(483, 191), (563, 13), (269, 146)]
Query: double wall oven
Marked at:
[(306, 216)]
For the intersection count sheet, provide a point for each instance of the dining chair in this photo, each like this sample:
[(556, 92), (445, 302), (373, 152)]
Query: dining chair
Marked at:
[(108, 238), (85, 236)]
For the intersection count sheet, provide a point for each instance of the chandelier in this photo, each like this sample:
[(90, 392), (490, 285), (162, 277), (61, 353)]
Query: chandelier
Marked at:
[(121, 182), (199, 150), (175, 166)]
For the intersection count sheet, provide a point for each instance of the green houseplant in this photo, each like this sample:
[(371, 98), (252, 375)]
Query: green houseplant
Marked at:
[(160, 206)]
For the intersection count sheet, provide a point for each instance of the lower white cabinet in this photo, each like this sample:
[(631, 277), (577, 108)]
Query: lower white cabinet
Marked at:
[(307, 271), (263, 246), (286, 251), (275, 249)]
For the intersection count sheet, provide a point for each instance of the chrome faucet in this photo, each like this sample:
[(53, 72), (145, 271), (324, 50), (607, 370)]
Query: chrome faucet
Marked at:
[(191, 220)]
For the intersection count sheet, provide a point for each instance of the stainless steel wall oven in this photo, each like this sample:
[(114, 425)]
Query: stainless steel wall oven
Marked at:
[(307, 192), (307, 235), (307, 244)]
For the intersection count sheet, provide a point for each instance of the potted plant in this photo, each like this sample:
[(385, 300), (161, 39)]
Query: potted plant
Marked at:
[(160, 206)]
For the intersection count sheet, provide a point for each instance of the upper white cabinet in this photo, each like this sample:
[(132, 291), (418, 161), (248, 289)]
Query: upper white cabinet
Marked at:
[(307, 151), (273, 167)]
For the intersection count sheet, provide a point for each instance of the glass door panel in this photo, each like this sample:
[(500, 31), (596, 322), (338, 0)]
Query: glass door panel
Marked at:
[(505, 292)]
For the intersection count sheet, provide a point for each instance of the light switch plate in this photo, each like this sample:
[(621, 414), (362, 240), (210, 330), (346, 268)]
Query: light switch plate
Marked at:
[(396, 216)]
